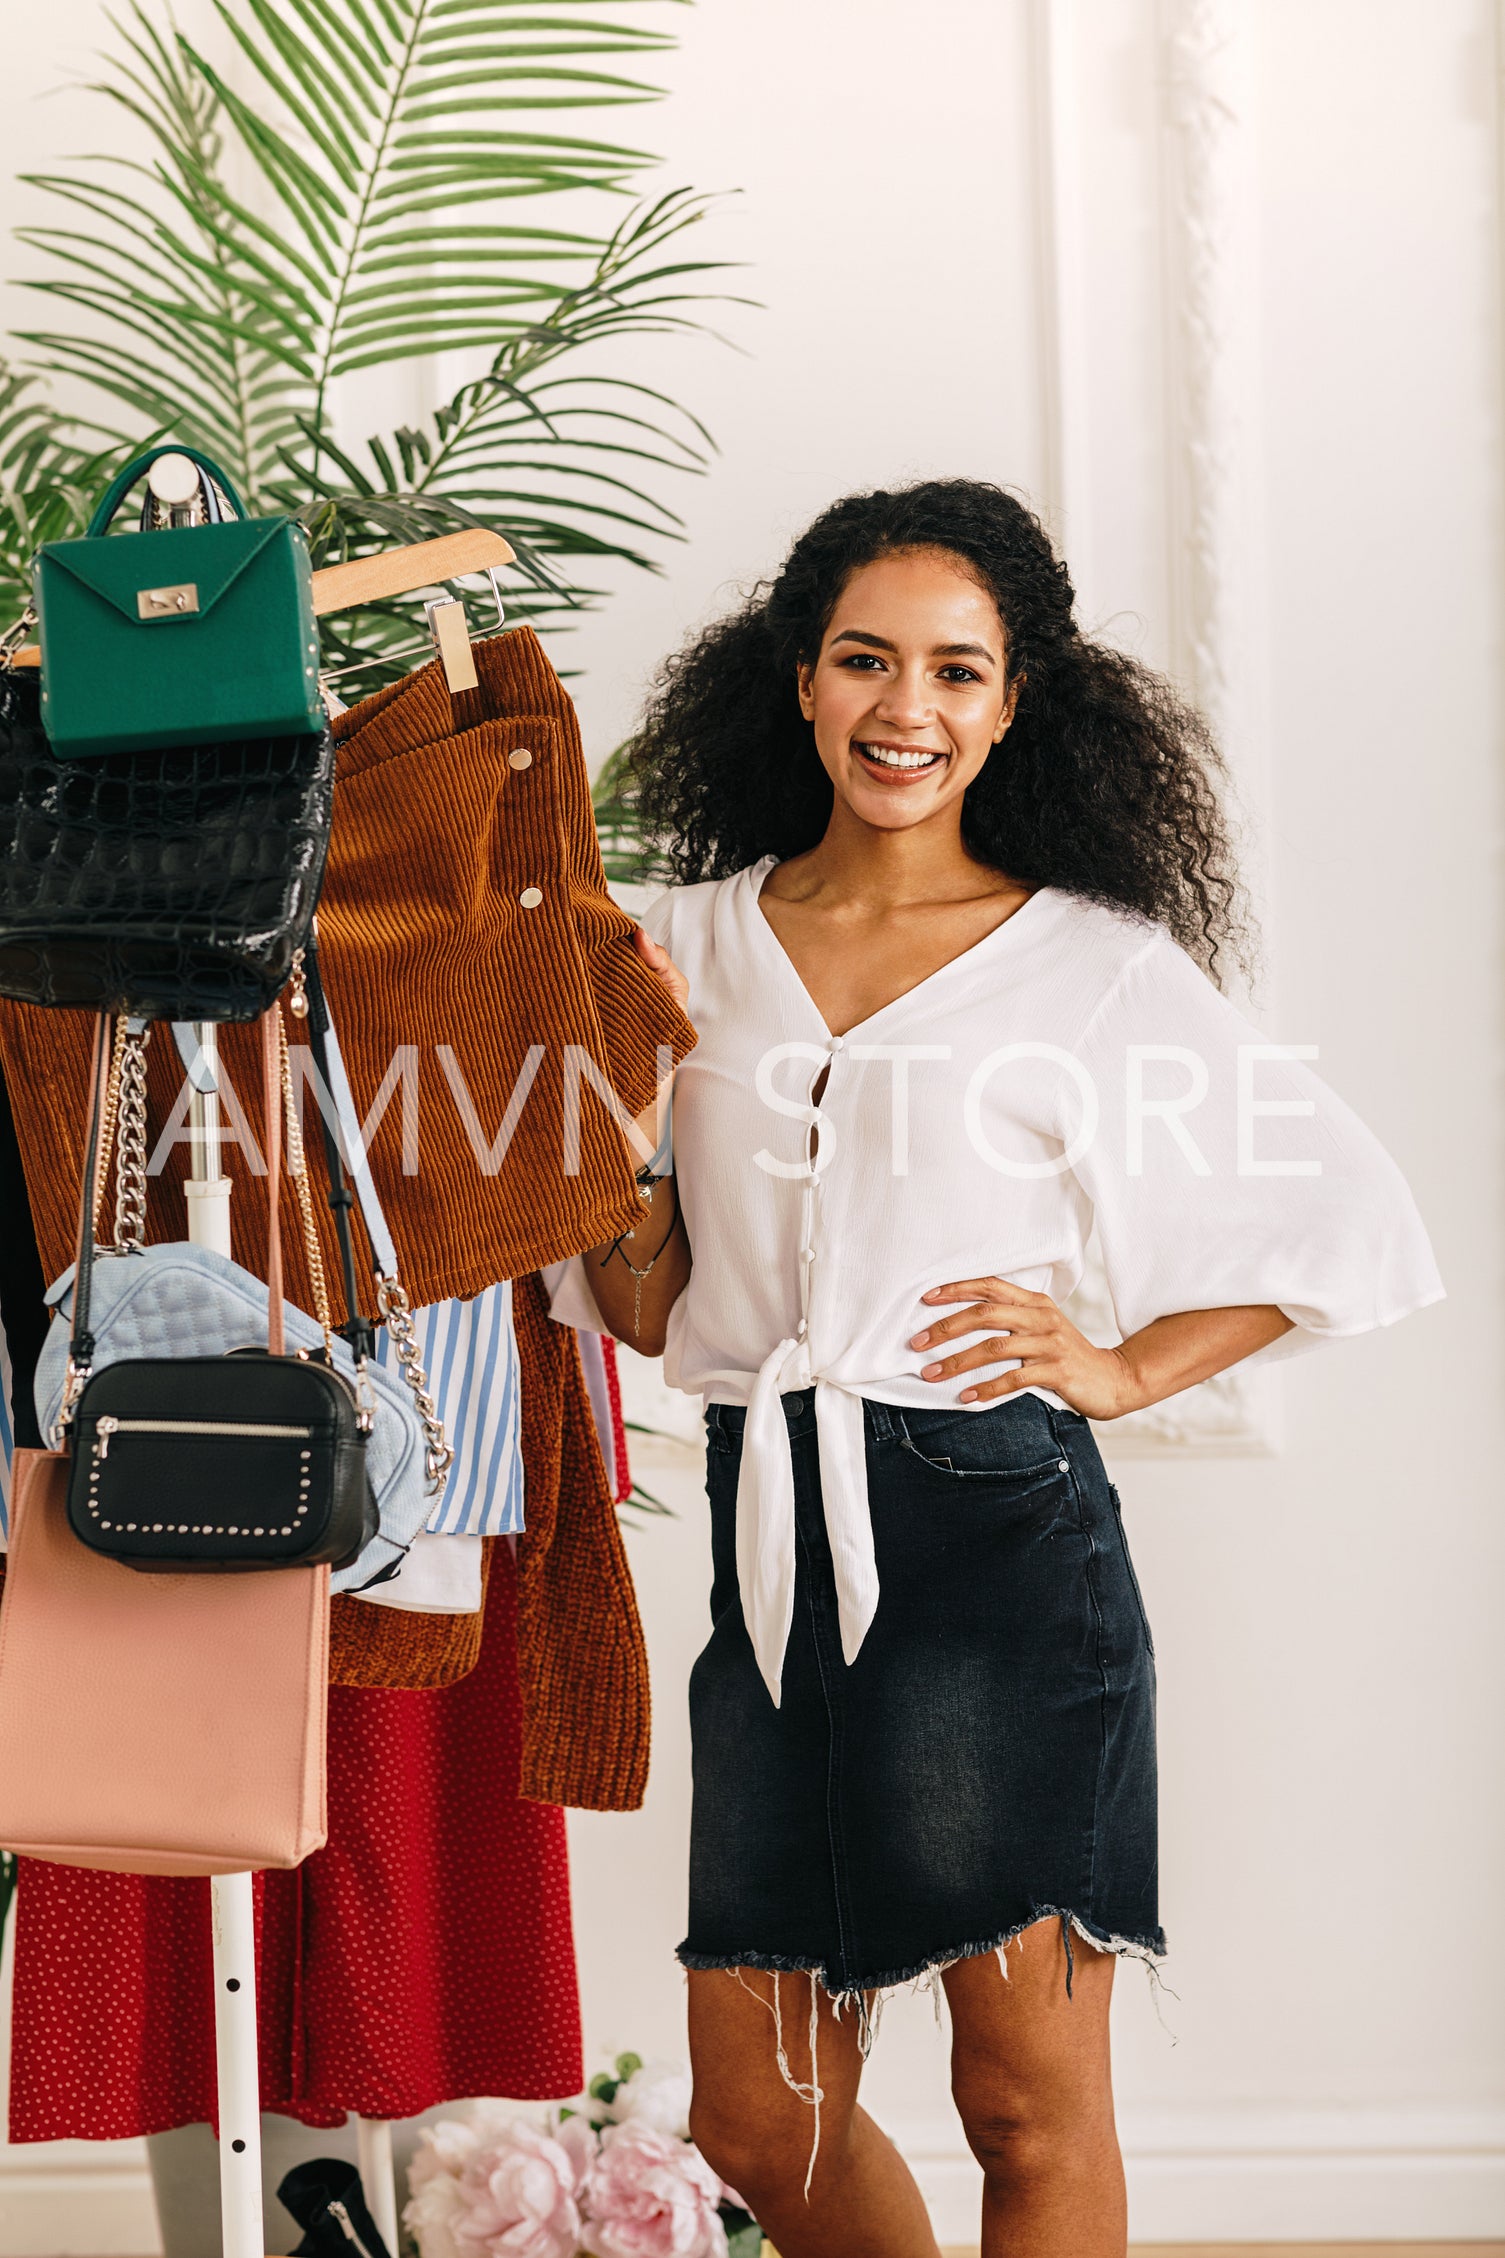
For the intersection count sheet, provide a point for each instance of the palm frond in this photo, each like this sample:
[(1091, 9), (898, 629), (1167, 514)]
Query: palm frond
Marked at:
[(379, 149), (52, 471), (630, 855)]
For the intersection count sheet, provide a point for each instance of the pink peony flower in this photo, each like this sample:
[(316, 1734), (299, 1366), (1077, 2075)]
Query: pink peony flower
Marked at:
[(657, 2094), (443, 2150), (434, 2186), (651, 2196), (429, 2214), (517, 2196), (577, 2137)]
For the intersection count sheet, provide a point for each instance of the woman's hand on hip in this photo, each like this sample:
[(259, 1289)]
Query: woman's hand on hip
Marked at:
[(1162, 1358), (1015, 1324)]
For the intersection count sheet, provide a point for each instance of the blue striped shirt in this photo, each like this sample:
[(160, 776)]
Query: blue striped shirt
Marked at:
[(469, 1352)]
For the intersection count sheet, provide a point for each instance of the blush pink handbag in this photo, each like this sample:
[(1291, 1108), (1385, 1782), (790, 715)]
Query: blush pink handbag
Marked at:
[(157, 1724)]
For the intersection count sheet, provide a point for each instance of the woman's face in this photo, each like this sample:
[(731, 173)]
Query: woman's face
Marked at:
[(908, 694)]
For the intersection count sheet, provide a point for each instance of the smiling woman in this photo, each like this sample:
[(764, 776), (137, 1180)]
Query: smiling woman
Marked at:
[(1112, 783), (956, 879)]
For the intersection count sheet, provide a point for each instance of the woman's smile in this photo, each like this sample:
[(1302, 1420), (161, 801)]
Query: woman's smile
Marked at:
[(897, 764)]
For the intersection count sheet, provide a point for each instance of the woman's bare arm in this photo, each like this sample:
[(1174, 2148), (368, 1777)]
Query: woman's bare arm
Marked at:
[(1102, 1383), (636, 1309), (637, 1279)]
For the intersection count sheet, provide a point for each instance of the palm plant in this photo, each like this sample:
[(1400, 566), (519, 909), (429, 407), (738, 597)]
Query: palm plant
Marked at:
[(628, 851), (50, 477), (338, 190)]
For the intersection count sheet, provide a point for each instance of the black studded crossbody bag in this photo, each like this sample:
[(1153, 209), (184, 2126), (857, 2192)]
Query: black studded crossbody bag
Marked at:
[(178, 1463)]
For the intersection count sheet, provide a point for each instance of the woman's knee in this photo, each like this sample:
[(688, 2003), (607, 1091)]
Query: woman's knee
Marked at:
[(761, 2151), (1019, 2127), (1009, 2137)]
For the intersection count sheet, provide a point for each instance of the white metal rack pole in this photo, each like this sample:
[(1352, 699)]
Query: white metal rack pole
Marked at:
[(373, 2139), (231, 1902), (232, 1913)]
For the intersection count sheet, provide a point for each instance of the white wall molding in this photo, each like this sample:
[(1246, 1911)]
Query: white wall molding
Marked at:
[(1063, 350), (1229, 2173), (1241, 2174), (86, 2198), (1208, 296), (1207, 292)]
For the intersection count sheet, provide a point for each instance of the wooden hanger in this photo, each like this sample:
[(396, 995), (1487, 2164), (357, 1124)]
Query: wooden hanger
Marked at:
[(397, 572)]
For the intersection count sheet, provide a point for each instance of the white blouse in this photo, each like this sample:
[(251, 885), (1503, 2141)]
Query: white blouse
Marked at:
[(1073, 1066)]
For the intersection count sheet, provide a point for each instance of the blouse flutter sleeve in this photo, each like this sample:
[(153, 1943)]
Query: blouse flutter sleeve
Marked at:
[(1224, 1171)]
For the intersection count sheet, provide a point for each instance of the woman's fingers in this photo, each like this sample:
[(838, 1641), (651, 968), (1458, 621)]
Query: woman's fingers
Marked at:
[(991, 1303), (1012, 1383), (981, 1289), (998, 1348), (658, 960)]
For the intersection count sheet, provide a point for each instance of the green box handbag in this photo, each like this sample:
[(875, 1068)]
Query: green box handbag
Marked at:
[(195, 635)]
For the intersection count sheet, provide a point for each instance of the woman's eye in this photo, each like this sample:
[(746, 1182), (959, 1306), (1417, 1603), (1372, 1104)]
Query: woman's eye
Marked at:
[(961, 674), (862, 659)]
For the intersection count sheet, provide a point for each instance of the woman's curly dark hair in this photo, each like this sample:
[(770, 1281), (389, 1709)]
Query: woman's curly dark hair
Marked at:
[(1107, 783)]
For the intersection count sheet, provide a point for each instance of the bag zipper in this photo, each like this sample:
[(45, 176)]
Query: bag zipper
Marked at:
[(106, 1426), (338, 2211)]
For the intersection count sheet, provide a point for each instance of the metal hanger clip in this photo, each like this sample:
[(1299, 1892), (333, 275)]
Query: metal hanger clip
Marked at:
[(451, 633)]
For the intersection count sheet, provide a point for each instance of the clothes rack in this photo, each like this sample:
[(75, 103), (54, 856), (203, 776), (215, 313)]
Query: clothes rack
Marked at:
[(391, 573)]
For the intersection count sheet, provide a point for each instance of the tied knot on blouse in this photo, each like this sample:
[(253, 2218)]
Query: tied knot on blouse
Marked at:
[(1073, 1075)]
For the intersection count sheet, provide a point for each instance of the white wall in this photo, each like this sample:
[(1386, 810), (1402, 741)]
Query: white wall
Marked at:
[(1326, 1614)]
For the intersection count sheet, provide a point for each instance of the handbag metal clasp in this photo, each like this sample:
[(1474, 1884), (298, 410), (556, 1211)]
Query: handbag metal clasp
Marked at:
[(168, 603)]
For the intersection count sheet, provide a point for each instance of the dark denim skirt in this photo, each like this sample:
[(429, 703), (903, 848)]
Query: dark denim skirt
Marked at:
[(989, 1757)]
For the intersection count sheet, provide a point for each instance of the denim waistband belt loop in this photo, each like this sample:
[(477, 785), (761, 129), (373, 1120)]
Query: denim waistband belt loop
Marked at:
[(884, 1422)]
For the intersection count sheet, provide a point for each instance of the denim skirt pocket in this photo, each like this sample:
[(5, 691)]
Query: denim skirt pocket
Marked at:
[(987, 1455)]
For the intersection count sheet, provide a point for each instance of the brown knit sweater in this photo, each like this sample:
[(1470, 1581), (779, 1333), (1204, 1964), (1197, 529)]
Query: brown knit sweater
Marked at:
[(580, 1640)]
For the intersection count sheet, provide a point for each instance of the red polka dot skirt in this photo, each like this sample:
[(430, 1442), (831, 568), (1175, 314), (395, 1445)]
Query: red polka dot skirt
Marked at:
[(425, 1954)]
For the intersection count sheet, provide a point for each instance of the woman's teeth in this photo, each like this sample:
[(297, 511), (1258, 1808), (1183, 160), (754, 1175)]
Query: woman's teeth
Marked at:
[(886, 757)]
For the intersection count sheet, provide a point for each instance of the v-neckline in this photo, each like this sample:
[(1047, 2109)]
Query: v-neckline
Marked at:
[(757, 879)]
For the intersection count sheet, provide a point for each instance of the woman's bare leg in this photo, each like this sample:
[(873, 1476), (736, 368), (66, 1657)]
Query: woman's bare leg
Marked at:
[(758, 2135), (1030, 2073)]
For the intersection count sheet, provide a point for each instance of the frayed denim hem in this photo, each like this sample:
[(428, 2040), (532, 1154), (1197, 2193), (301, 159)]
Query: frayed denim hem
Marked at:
[(1148, 1949), (868, 1998)]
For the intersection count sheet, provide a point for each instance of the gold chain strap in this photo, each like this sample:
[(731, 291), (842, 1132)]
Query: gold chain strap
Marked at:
[(107, 1127), (397, 1316), (126, 1101), (297, 1168)]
